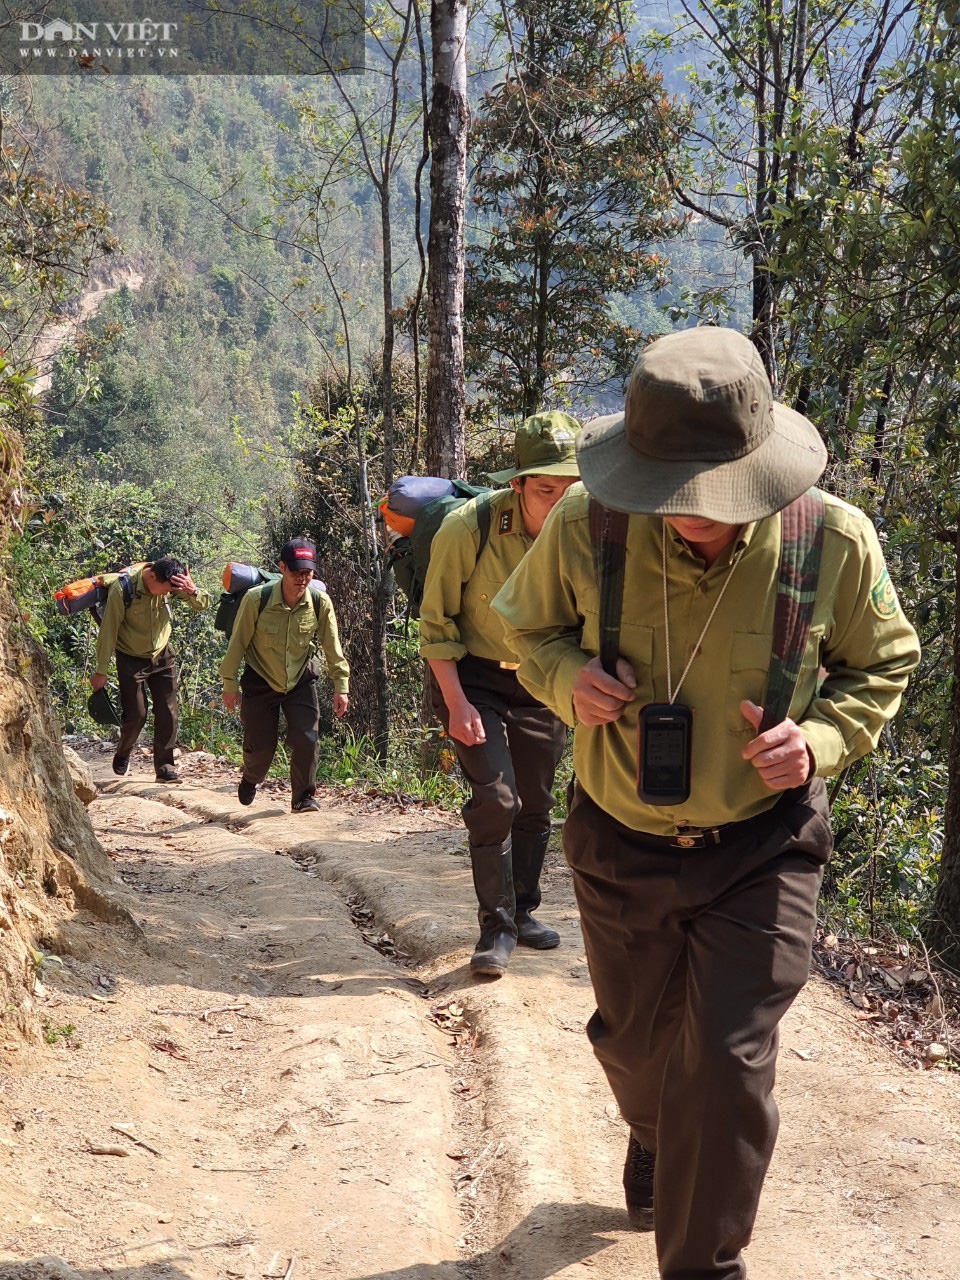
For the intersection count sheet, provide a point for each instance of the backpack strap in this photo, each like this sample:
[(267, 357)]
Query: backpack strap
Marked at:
[(264, 599), (801, 542), (125, 579), (608, 538), (483, 521), (126, 587)]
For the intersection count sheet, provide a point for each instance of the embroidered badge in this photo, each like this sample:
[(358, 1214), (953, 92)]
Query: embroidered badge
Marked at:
[(506, 521), (883, 598)]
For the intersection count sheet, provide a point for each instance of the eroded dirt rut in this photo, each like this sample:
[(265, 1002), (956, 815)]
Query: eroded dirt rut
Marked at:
[(318, 1107)]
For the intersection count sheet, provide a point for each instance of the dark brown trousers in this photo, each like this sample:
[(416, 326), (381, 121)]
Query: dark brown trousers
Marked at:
[(511, 774), (695, 956), (135, 676), (260, 708)]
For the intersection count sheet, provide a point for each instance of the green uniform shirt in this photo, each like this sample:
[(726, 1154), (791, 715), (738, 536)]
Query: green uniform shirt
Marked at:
[(859, 635), (276, 643), (455, 615), (143, 628)]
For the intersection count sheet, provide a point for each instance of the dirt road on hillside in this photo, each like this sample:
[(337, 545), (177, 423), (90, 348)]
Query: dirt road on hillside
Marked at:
[(304, 1081)]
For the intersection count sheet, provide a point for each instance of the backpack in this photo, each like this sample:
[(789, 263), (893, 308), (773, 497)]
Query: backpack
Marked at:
[(238, 579), (801, 541), (91, 593), (412, 512)]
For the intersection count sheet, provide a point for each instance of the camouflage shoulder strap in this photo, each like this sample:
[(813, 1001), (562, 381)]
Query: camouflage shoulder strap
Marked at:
[(801, 541), (608, 538)]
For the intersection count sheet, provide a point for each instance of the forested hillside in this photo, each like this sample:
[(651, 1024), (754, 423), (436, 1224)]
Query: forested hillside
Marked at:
[(266, 374)]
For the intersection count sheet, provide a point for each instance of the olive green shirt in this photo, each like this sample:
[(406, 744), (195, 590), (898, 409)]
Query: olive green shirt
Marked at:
[(859, 635), (277, 642), (455, 615), (143, 628)]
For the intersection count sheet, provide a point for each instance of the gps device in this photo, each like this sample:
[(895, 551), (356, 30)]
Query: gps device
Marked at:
[(663, 753)]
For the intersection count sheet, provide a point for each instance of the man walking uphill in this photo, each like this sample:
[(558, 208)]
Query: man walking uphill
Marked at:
[(139, 634), (274, 634), (698, 826), (507, 743)]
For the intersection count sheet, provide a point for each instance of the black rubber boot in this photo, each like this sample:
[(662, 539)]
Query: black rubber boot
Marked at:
[(638, 1170), (529, 851), (493, 881)]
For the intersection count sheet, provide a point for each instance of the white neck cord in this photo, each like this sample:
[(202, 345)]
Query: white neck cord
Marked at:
[(673, 694)]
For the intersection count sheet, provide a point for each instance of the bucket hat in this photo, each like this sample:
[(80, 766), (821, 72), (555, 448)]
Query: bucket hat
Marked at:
[(545, 445), (701, 435), (101, 708)]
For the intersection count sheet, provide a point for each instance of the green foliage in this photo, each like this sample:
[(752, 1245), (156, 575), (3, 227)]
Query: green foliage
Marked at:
[(572, 155), (60, 1032), (888, 833), (352, 760)]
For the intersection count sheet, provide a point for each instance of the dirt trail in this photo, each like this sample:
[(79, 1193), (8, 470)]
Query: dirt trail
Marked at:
[(54, 337), (370, 1116)]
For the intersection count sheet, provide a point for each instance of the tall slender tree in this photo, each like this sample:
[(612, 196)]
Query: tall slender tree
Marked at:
[(448, 124), (571, 154)]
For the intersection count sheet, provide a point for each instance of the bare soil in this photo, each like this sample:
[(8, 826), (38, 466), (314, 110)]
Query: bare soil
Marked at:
[(288, 1072)]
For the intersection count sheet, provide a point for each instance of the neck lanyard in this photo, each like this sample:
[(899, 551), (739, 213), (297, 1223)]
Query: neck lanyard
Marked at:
[(673, 693)]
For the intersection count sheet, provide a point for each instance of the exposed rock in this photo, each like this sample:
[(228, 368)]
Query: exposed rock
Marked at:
[(40, 1269), (50, 860), (84, 787)]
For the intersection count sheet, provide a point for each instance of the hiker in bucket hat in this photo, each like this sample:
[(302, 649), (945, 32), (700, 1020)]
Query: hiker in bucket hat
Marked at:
[(507, 742), (649, 616)]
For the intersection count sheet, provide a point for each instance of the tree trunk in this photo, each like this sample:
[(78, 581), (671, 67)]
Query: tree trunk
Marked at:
[(388, 334), (449, 117), (943, 931)]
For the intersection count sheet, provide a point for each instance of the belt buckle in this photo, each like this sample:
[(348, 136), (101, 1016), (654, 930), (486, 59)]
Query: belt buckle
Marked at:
[(509, 666), (696, 837)]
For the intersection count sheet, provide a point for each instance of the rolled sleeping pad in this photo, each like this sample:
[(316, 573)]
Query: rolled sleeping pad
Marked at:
[(77, 596), (241, 577), (408, 495)]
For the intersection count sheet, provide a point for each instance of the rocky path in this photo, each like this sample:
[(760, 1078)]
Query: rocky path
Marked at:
[(306, 1082)]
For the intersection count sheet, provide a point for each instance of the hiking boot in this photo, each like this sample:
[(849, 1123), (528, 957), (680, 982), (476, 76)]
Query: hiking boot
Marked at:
[(528, 851), (121, 765), (167, 773), (306, 804), (246, 791), (638, 1185)]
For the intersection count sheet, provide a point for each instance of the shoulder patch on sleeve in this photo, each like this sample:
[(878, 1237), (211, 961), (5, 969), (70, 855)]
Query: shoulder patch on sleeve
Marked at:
[(883, 598)]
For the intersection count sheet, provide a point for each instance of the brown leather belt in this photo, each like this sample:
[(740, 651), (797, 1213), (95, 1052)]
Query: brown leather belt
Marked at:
[(710, 837)]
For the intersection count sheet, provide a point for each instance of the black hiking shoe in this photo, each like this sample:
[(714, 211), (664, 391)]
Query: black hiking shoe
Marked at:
[(531, 933), (492, 954), (306, 804), (246, 791), (167, 773), (638, 1185), (121, 765)]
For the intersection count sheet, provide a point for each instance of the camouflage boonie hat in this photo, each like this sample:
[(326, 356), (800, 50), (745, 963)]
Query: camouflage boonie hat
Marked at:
[(545, 445), (701, 435)]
